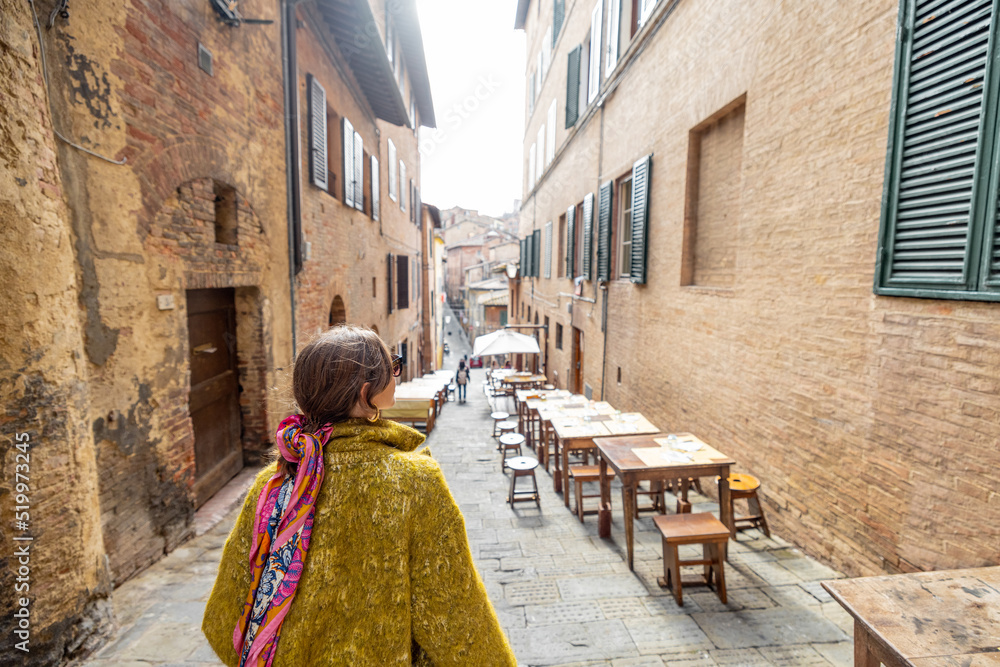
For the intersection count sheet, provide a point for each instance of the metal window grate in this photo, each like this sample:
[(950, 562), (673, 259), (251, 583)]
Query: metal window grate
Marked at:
[(205, 59)]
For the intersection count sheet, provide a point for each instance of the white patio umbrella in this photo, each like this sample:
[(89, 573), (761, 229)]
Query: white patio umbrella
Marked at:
[(504, 341)]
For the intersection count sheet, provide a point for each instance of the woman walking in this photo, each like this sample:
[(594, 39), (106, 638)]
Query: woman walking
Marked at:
[(461, 379), (350, 549)]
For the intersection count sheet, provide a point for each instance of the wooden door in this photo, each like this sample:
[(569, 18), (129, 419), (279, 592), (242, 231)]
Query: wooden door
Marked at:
[(214, 399), (577, 361)]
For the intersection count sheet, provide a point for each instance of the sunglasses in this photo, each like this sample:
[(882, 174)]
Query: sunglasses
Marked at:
[(397, 365)]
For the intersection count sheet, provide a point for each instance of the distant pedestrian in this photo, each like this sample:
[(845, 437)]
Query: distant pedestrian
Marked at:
[(369, 565), (461, 379)]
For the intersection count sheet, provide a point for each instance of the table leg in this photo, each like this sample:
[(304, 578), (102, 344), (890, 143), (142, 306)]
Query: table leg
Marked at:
[(628, 499), (557, 475), (864, 656), (543, 454), (726, 503), (565, 472), (604, 513)]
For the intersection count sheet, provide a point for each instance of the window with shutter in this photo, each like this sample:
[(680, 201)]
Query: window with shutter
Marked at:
[(531, 94), (529, 270), (417, 207), (570, 241), (558, 16), (550, 138), (645, 9), (540, 140), (376, 194), (388, 279), (402, 186), (402, 281), (523, 261), (347, 141), (317, 133), (359, 173), (604, 232), (536, 253), (333, 151), (938, 232), (640, 217), (595, 52), (548, 249), (573, 86), (588, 235), (392, 169), (614, 16)]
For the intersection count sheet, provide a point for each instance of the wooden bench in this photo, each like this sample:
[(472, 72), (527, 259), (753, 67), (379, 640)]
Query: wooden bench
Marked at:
[(413, 413), (701, 528)]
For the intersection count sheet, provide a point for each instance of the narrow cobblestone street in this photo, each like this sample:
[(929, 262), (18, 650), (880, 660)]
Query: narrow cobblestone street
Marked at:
[(564, 595)]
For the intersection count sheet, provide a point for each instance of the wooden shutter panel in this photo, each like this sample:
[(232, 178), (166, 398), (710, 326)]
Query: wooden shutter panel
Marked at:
[(376, 194), (348, 144), (529, 255), (594, 84), (536, 253), (604, 231), (524, 258), (935, 145), (548, 249), (392, 169), (570, 242), (614, 17), (588, 236), (388, 280), (402, 185), (318, 169), (640, 217), (402, 281), (558, 16), (359, 173), (573, 85)]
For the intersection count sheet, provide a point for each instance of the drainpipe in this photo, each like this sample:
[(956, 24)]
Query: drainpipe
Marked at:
[(289, 24)]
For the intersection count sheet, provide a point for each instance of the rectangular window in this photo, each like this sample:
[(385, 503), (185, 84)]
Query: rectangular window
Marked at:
[(392, 169), (402, 186), (531, 94), (548, 249), (347, 142), (712, 202), (624, 228), (560, 252), (578, 242), (359, 173), (559, 332), (367, 194), (595, 52), (614, 16), (402, 281), (546, 51), (550, 139), (317, 133), (333, 149), (938, 235), (531, 167), (376, 189), (573, 86), (540, 166)]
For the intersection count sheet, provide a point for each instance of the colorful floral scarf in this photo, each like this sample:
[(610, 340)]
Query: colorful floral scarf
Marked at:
[(282, 530)]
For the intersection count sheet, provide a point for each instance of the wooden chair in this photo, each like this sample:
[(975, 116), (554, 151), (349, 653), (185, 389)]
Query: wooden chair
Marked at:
[(744, 486), (523, 466), (701, 528)]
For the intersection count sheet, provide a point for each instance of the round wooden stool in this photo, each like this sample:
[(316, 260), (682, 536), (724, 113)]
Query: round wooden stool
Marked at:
[(497, 418), (509, 442), (523, 466), (744, 486)]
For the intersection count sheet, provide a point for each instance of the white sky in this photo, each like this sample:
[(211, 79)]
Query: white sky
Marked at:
[(475, 60)]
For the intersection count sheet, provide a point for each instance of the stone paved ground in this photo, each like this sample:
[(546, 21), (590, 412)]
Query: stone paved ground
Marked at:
[(564, 595)]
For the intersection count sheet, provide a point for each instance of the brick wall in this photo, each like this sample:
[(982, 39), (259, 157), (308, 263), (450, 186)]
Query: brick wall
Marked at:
[(871, 421)]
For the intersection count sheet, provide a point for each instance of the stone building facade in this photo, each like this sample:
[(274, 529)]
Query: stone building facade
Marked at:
[(165, 261), (747, 144)]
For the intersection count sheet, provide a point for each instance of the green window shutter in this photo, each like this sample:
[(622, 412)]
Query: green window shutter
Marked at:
[(536, 253), (573, 85), (588, 235), (523, 261), (570, 241), (939, 149), (318, 168), (604, 231), (640, 217), (529, 269), (558, 15)]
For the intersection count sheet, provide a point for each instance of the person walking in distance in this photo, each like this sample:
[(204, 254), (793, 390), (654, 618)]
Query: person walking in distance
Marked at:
[(462, 379), (350, 549)]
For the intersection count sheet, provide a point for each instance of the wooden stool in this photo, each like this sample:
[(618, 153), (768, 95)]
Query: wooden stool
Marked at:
[(523, 466), (701, 528), (579, 475), (656, 490), (510, 442), (497, 418), (742, 485)]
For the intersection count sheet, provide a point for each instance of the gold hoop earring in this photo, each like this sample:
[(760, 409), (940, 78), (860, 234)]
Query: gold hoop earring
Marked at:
[(375, 417)]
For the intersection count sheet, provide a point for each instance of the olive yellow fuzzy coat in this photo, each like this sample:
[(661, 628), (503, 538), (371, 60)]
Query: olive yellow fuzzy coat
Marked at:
[(388, 577)]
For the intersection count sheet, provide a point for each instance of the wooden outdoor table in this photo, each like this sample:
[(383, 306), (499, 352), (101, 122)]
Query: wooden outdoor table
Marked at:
[(575, 406), (948, 618), (619, 453), (631, 423)]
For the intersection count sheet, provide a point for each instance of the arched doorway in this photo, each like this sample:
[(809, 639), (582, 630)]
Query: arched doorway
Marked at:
[(338, 313)]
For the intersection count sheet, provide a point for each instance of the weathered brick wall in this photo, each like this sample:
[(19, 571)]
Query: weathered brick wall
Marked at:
[(871, 421)]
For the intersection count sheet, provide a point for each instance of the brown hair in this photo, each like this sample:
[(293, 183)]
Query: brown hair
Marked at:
[(331, 371)]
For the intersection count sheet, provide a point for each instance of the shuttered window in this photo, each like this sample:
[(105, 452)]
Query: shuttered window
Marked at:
[(536, 253), (402, 281), (390, 261), (614, 17), (573, 86), (938, 235), (588, 235), (376, 195), (550, 138), (402, 185), (318, 168), (595, 52), (359, 173), (548, 249), (417, 208), (558, 16), (392, 169), (570, 242), (347, 141), (523, 262), (645, 9), (604, 232), (640, 217)]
